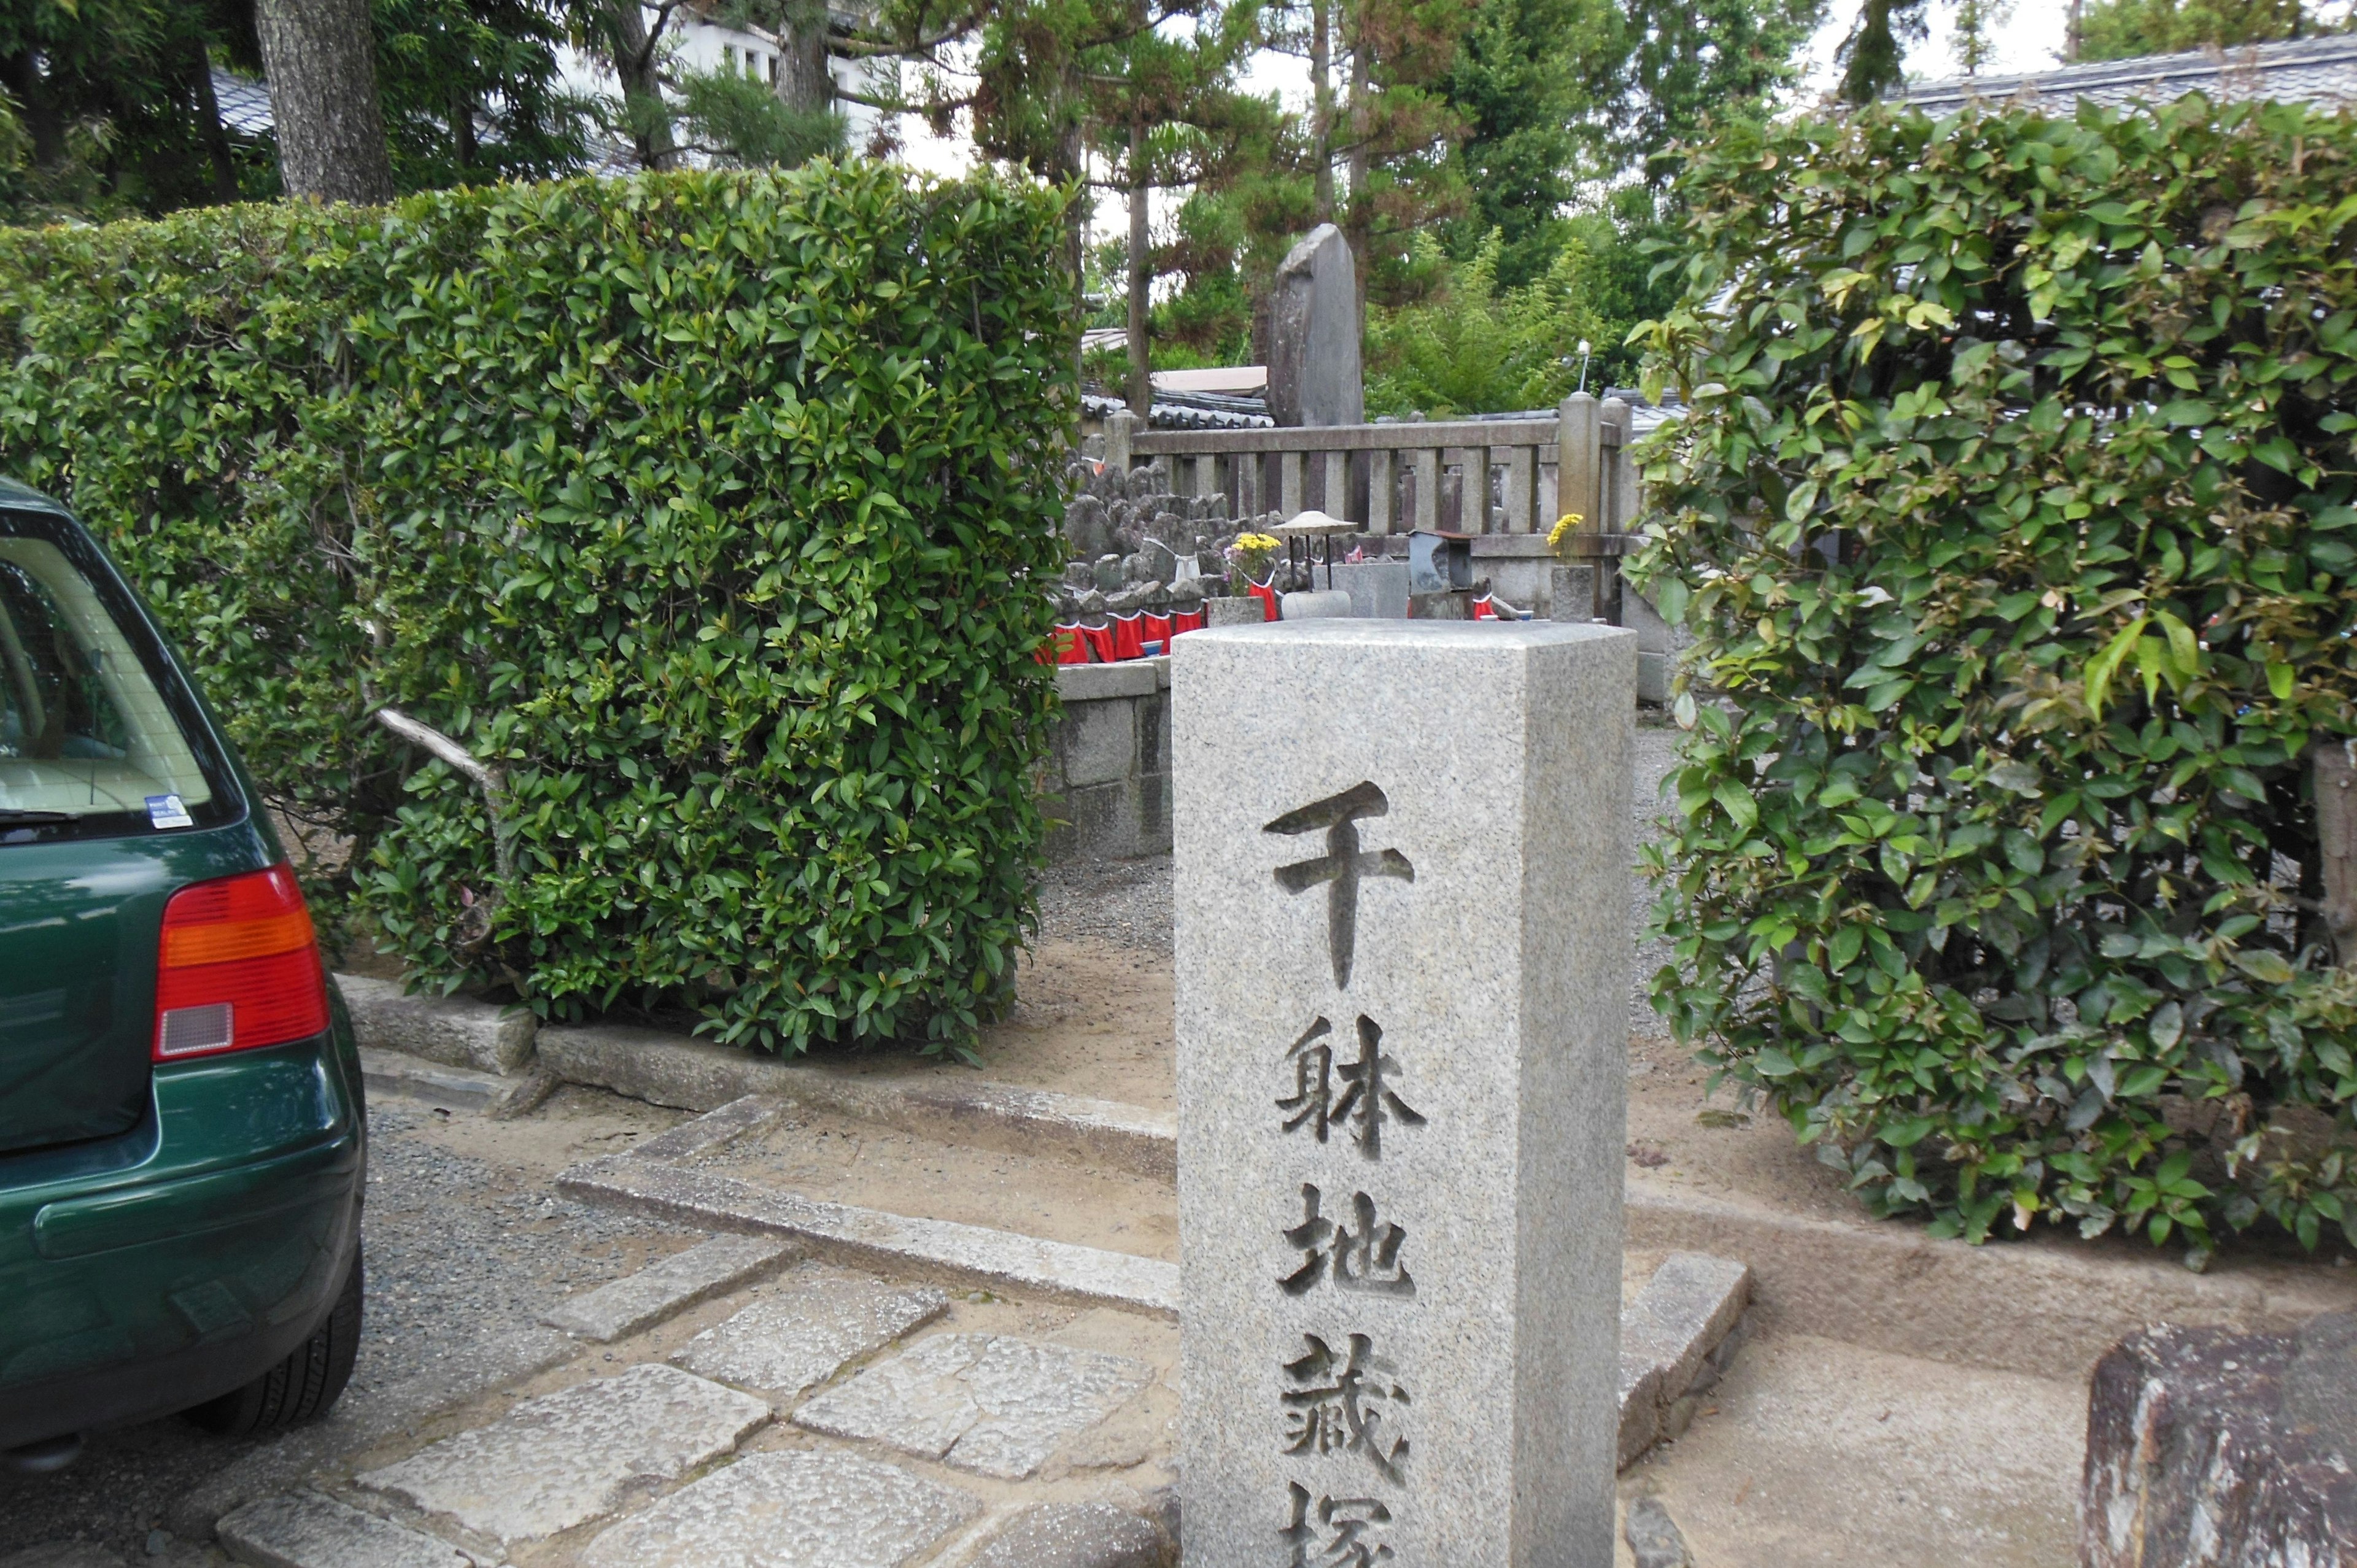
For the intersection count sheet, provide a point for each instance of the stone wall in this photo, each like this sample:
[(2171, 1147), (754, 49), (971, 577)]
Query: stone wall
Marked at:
[(1108, 781)]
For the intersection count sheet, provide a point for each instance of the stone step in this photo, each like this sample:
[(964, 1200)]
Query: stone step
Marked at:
[(896, 1243), (637, 1302)]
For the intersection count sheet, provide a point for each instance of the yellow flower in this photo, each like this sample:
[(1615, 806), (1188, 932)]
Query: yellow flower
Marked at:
[(1255, 541), (1564, 525)]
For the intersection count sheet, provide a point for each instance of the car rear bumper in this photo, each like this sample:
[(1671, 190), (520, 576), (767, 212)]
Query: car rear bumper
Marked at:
[(184, 1260)]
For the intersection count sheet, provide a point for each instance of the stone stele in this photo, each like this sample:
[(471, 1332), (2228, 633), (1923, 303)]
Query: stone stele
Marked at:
[(1403, 962), (1313, 335)]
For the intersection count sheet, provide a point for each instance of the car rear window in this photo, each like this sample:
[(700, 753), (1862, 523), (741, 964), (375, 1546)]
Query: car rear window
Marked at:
[(98, 738)]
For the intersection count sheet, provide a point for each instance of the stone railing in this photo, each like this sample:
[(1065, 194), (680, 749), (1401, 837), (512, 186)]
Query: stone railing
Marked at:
[(1503, 480)]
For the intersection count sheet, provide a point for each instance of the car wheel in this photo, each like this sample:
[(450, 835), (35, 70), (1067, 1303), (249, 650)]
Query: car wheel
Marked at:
[(302, 1386)]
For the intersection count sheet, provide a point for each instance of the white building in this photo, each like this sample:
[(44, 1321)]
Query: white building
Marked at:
[(693, 41)]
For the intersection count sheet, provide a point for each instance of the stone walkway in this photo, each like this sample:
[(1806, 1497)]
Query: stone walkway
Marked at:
[(736, 1406)]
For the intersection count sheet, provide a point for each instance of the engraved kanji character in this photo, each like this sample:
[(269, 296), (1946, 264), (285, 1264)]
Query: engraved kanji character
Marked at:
[(1346, 1533), (1312, 1102), (1361, 1255), (1367, 1099), (1342, 864), (1370, 1101), (1343, 1403)]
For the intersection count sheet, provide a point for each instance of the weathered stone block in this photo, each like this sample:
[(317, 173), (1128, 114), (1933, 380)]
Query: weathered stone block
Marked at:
[(795, 1339), (1571, 594), (1076, 1535), (1097, 742), (455, 1030), (1378, 589), (2207, 1446), (1652, 677), (817, 1509), (1314, 375), (1401, 899), (303, 1529), (666, 1288), (994, 1405), (566, 1458)]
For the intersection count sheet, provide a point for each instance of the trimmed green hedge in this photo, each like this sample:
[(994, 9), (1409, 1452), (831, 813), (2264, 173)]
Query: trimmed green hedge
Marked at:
[(2015, 519), (706, 507)]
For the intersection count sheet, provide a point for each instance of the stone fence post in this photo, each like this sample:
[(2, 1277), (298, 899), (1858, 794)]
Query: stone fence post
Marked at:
[(1402, 973), (1121, 426)]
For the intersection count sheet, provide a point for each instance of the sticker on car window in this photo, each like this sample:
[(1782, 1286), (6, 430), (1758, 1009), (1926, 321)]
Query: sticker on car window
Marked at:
[(166, 811)]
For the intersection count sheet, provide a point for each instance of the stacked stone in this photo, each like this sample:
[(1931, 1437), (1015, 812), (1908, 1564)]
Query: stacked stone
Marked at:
[(1129, 535)]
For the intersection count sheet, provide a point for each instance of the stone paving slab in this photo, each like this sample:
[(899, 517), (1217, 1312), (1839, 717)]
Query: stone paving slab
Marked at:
[(568, 1458), (813, 1509), (355, 1424), (660, 1290), (305, 1530), (790, 1342), (994, 1405), (1076, 1535), (939, 1248)]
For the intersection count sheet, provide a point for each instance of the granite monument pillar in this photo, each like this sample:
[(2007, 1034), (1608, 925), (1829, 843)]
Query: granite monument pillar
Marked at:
[(1402, 975)]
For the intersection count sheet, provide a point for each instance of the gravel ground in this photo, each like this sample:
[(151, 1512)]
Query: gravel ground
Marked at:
[(457, 1249), (1125, 902)]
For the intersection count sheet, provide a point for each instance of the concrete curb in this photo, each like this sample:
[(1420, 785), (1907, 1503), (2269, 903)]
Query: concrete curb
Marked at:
[(455, 1031), (455, 1087), (2049, 1307), (936, 1250), (697, 1075)]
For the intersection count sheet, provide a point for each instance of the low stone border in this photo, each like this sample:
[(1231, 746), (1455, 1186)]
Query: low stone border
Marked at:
[(697, 1075), (911, 1247), (455, 1031), (1885, 1285)]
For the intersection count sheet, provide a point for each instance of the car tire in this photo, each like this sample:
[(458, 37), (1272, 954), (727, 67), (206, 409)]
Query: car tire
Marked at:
[(302, 1386)]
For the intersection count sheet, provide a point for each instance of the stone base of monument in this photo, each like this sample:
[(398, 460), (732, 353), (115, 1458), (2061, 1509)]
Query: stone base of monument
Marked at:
[(2208, 1446)]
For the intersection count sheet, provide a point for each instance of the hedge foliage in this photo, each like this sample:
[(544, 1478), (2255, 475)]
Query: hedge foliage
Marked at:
[(2015, 519), (704, 506)]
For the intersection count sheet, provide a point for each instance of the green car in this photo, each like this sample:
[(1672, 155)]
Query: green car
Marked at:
[(181, 1129)]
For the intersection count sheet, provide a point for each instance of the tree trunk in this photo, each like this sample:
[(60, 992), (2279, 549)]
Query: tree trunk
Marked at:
[(1321, 103), (321, 58), (462, 131), (1359, 216), (1141, 275), (2334, 764), (2071, 36), (209, 129), (22, 76), (632, 52), (803, 80)]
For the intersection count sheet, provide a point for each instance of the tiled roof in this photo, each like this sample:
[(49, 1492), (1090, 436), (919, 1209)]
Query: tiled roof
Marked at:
[(245, 109), (244, 103), (2322, 71)]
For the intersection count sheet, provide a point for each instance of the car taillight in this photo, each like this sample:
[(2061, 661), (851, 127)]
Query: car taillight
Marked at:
[(238, 969)]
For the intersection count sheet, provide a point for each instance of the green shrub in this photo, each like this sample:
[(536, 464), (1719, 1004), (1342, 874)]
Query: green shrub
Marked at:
[(2014, 518), (706, 507)]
